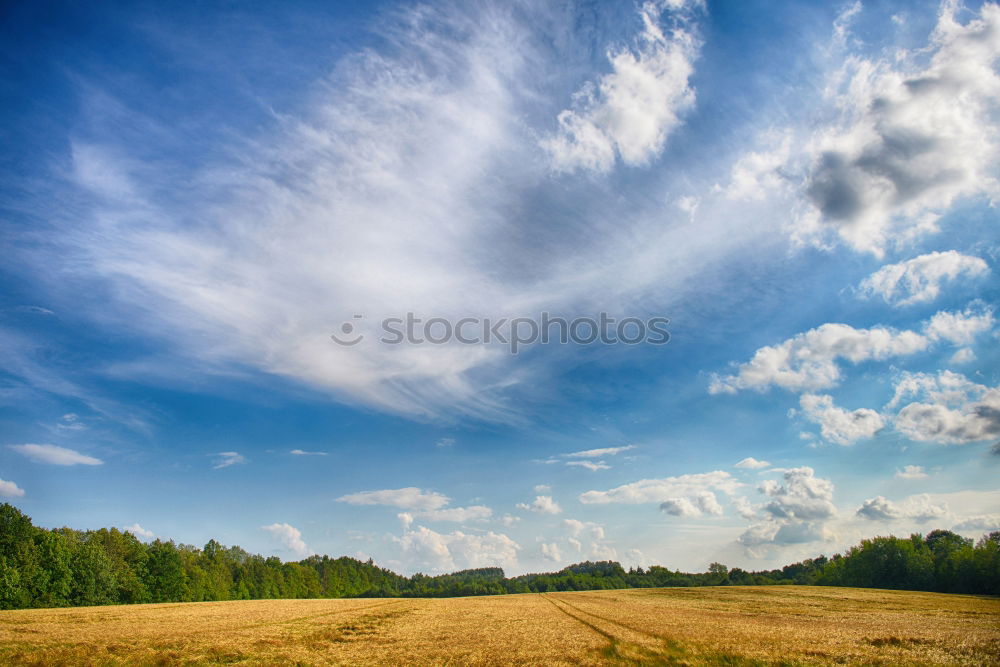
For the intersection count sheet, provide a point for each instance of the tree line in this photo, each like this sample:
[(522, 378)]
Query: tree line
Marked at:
[(64, 567)]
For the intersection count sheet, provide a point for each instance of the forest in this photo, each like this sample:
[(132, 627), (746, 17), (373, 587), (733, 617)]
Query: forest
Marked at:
[(60, 567)]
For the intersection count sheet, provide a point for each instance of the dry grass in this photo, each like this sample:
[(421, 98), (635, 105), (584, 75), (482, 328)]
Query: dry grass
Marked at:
[(781, 625)]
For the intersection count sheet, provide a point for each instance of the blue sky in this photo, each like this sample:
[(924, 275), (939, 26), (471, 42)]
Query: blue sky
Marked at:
[(194, 201)]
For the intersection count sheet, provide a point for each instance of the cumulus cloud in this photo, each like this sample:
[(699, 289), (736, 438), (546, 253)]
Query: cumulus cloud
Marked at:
[(551, 552), (911, 472), (52, 454), (139, 531), (408, 498), (950, 408), (577, 528), (226, 459), (919, 280), (541, 505), (744, 508), (752, 463), (631, 110), (985, 523), (445, 552), (908, 138), (802, 496), (758, 172), (9, 489), (879, 509), (775, 534), (959, 328), (837, 424), (702, 502), (795, 512), (808, 361), (542, 488), (685, 495), (918, 508), (289, 537)]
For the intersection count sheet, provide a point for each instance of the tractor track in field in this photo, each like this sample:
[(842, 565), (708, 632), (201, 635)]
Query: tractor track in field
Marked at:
[(312, 616), (605, 619), (616, 632)]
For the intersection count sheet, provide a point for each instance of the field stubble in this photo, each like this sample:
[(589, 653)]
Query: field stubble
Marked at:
[(778, 625)]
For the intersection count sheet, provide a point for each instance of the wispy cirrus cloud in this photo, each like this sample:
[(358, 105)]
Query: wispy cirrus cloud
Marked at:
[(227, 459), (55, 455), (412, 164)]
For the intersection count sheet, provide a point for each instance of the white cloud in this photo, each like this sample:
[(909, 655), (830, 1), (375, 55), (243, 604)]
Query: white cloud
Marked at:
[(597, 453), (551, 552), (752, 463), (808, 361), (445, 442), (408, 498), (796, 512), (457, 514), (445, 552), (919, 280), (879, 509), (226, 459), (911, 472), (599, 551), (697, 504), (963, 355), (542, 488), (387, 193), (635, 558), (901, 147), (959, 328), (60, 456), (10, 489), (509, 520), (631, 111), (951, 409), (744, 508), (984, 523), (803, 496), (300, 452), (921, 509), (837, 424), (577, 528), (139, 531), (541, 505), (590, 465), (918, 508), (71, 422), (758, 172), (669, 489), (575, 543), (289, 537)]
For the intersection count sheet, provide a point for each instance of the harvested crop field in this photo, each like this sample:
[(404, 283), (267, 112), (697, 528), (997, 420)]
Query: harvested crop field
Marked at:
[(778, 625)]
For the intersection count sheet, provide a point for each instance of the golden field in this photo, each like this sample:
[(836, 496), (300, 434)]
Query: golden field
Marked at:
[(777, 625)]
